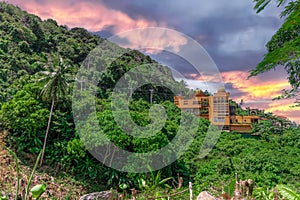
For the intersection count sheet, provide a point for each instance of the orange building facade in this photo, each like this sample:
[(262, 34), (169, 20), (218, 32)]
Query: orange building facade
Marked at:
[(216, 109)]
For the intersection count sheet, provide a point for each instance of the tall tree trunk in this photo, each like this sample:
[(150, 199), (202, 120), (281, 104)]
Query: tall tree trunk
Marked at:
[(47, 131)]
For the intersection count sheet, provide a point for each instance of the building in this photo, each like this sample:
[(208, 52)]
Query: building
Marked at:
[(216, 108), (198, 105)]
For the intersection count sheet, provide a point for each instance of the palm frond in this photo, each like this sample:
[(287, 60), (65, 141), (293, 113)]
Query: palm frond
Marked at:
[(261, 4), (56, 80), (288, 192)]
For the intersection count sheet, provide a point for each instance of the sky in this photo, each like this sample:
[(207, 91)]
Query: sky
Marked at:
[(231, 32)]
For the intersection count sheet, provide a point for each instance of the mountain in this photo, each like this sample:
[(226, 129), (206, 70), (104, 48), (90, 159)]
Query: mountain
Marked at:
[(103, 34)]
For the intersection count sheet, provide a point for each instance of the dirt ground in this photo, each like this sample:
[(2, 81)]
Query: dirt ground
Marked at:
[(57, 188)]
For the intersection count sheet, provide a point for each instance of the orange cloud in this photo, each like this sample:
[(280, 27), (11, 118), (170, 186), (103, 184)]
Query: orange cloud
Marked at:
[(270, 90), (283, 105), (93, 16), (255, 87), (259, 93), (285, 108)]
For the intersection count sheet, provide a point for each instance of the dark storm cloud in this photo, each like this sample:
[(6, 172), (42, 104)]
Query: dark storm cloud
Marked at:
[(136, 8), (232, 33), (243, 60), (235, 93), (176, 62)]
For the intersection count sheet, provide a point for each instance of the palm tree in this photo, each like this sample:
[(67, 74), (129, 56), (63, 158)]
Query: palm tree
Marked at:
[(56, 80)]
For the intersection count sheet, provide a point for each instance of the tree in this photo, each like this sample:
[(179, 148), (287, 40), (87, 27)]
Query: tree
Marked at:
[(284, 47), (56, 81), (24, 116)]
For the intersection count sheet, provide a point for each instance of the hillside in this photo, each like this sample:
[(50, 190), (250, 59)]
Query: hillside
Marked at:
[(29, 47), (28, 44)]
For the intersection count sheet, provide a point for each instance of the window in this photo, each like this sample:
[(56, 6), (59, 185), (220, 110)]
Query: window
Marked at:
[(190, 110), (196, 103), (219, 119), (196, 111)]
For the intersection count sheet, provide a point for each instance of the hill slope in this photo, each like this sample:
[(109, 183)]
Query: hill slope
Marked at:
[(29, 45)]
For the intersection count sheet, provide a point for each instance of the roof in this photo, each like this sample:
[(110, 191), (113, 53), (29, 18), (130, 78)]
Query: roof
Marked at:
[(221, 89)]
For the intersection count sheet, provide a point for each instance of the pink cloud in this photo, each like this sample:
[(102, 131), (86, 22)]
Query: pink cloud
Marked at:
[(152, 39), (92, 16)]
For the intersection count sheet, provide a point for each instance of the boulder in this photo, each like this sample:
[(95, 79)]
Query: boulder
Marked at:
[(104, 195), (205, 196)]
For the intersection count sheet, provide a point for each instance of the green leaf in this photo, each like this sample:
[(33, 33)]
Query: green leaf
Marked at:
[(3, 198), (165, 180), (123, 186), (38, 190), (143, 182)]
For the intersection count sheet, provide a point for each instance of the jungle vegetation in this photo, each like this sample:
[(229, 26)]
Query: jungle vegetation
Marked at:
[(39, 60)]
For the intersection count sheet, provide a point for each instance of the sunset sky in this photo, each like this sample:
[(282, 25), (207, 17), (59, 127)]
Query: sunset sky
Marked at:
[(230, 31)]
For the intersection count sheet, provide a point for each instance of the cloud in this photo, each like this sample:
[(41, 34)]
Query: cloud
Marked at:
[(258, 92), (245, 40), (258, 87), (232, 33), (196, 9), (92, 15), (151, 40)]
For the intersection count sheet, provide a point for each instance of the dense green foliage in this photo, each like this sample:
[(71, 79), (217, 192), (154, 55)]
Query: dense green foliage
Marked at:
[(267, 163), (29, 45)]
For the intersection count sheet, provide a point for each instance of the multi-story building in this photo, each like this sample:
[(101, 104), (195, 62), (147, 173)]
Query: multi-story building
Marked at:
[(198, 105), (216, 108)]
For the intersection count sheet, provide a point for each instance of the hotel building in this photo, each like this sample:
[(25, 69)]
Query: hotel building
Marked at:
[(216, 108)]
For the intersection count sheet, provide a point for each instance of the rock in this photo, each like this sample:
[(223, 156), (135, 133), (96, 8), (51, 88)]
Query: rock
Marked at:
[(104, 195), (205, 196)]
